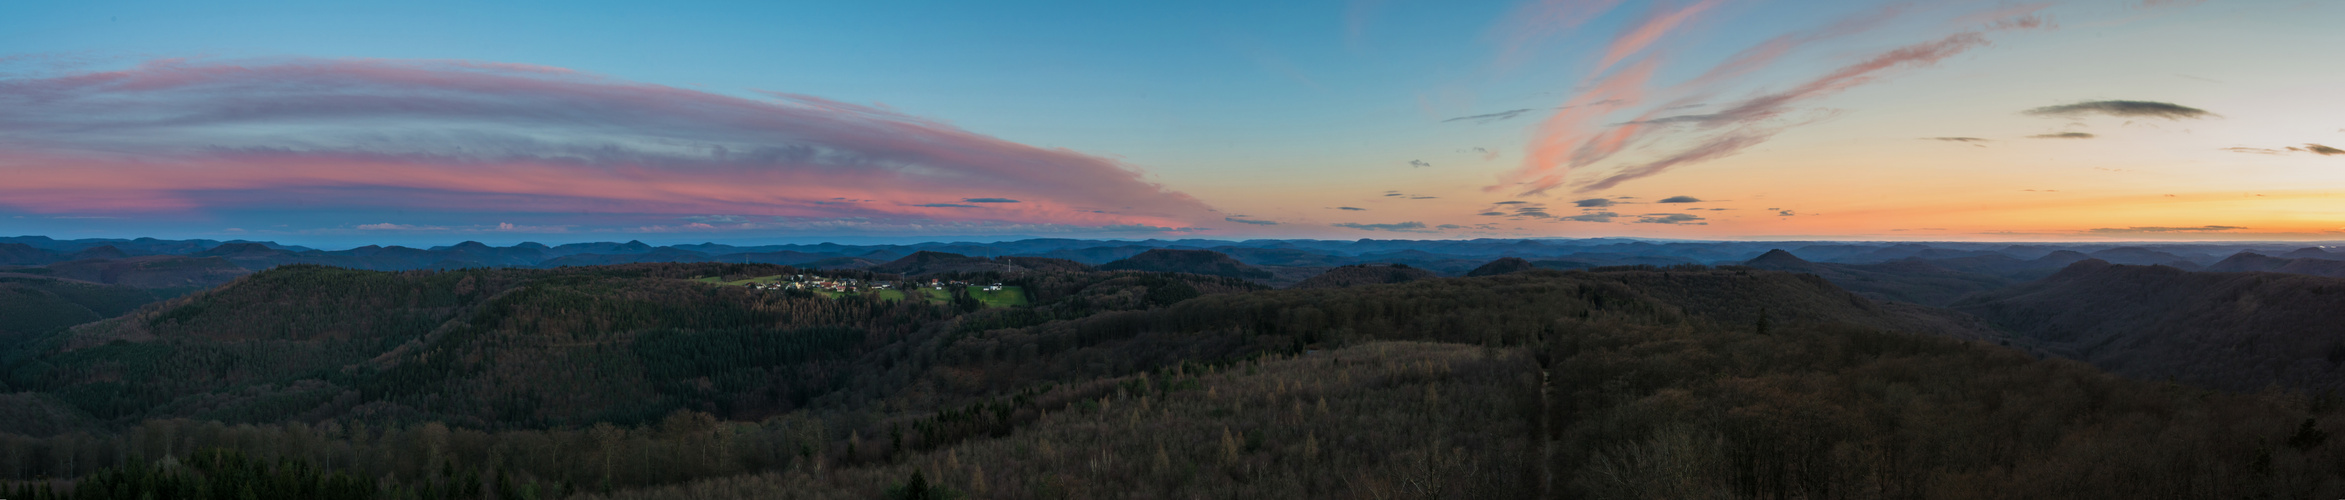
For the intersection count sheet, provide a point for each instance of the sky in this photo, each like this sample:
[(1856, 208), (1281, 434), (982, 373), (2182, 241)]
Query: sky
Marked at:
[(348, 123)]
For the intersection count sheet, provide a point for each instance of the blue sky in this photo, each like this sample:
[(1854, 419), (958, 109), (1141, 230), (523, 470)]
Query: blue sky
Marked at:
[(1278, 113)]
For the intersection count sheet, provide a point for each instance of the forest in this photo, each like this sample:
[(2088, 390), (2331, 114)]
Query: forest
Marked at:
[(638, 381)]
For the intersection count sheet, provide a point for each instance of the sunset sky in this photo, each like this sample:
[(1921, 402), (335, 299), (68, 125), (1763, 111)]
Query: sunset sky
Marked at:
[(434, 122)]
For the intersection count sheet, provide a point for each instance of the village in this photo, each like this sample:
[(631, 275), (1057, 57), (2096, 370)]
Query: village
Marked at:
[(933, 290)]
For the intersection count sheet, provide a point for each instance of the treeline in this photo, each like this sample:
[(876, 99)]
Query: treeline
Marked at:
[(1651, 411), (433, 457), (32, 305), (230, 475), (312, 342), (1623, 409), (1378, 420)]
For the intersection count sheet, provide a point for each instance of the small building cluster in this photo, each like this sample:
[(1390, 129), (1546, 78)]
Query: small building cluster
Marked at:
[(851, 285), (804, 282), (941, 284)]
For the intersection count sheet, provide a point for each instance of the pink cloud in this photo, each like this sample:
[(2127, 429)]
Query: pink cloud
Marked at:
[(175, 135), (1577, 137), (1648, 31), (1536, 20)]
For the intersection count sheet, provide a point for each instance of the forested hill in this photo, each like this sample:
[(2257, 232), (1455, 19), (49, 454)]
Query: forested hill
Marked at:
[(36, 304), (2240, 331), (1206, 262), (485, 347), (671, 381)]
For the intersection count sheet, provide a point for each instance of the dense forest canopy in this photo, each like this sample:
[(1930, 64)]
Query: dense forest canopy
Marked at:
[(684, 380)]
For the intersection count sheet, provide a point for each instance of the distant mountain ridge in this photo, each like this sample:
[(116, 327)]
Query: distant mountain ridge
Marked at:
[(1205, 262), (2234, 330), (1364, 274), (2253, 262), (1910, 279), (928, 262)]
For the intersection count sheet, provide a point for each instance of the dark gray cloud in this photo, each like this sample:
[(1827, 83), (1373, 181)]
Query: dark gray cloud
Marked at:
[(988, 200), (1956, 139), (1593, 203), (945, 205), (1394, 194), (1680, 199), (2307, 148), (2125, 109), (1250, 221), (1492, 117), (2152, 4), (1511, 202), (1686, 219), (1492, 213), (2162, 229), (1354, 209), (1449, 226), (2063, 135), (1419, 163), (1591, 217), (1403, 227), (1785, 213)]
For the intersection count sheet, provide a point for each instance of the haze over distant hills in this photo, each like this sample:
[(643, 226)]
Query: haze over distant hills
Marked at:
[(1443, 257)]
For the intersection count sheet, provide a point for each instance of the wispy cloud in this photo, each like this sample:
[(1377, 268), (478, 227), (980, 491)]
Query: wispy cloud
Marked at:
[(1490, 117), (1353, 209), (1956, 139), (2307, 148), (1419, 163), (1251, 221), (1591, 217), (1684, 219), (1680, 199), (1404, 227), (386, 226), (1534, 21), (1594, 203), (1578, 136), (2124, 109), (2162, 229), (486, 138), (2063, 135)]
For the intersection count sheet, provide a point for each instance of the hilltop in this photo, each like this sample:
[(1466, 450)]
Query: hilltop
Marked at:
[(1362, 274), (1205, 262), (2238, 331), (1910, 280)]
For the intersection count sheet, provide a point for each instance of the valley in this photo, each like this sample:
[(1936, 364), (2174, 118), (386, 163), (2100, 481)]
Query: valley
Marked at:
[(1184, 374)]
